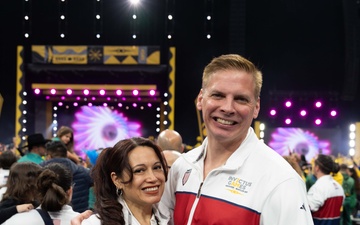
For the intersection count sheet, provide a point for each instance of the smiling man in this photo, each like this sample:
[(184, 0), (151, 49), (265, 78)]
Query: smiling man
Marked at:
[(233, 177)]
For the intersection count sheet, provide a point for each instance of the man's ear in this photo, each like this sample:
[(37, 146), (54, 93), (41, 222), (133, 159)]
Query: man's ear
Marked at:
[(199, 100)]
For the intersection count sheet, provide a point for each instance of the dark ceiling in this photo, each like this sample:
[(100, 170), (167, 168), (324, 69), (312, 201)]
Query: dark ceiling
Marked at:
[(300, 46)]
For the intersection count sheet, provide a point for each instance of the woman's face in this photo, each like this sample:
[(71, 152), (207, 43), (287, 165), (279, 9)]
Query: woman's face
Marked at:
[(148, 182), (66, 138)]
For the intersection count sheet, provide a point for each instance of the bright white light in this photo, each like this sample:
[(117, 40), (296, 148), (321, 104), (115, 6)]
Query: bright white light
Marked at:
[(26, 35), (262, 126), (352, 127), (351, 151), (134, 36), (262, 134), (97, 35), (352, 135), (62, 17), (134, 17), (134, 2), (170, 17), (26, 17), (208, 36), (24, 102), (208, 17), (24, 121), (62, 35), (24, 93), (352, 143), (98, 16), (169, 36)]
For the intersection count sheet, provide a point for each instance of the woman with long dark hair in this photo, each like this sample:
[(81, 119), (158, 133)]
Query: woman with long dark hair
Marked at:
[(129, 181)]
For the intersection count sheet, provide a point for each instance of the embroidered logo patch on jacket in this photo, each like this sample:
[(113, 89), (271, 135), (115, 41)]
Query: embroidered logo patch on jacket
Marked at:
[(186, 176)]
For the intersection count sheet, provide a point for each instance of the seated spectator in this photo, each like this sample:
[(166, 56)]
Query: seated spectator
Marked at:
[(36, 148), (57, 152), (66, 135), (6, 160), (21, 193), (55, 187)]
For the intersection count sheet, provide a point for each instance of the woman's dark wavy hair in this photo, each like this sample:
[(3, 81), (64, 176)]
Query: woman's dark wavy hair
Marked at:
[(116, 159), (21, 183), (327, 164), (53, 182)]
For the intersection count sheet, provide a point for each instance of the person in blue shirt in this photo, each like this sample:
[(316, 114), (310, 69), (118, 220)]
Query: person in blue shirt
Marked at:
[(36, 149)]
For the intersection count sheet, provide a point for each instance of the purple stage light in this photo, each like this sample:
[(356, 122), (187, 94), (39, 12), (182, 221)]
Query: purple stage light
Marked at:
[(318, 104), (76, 104), (288, 121), (152, 92), (149, 104), (333, 113), (37, 91), (118, 92), (288, 104), (303, 112), (69, 91), (135, 92), (60, 104), (86, 92), (78, 98), (120, 105), (273, 112), (53, 91), (318, 121), (102, 92), (134, 105)]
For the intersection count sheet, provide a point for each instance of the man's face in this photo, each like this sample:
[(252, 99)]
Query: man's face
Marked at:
[(42, 150), (228, 105)]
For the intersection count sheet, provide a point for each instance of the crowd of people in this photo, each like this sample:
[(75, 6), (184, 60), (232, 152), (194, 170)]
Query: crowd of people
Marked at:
[(230, 178)]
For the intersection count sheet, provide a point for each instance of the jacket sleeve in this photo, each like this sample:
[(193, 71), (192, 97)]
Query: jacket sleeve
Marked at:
[(287, 204), (6, 213)]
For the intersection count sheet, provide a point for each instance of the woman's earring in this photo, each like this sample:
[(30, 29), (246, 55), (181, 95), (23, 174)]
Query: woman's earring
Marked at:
[(118, 192)]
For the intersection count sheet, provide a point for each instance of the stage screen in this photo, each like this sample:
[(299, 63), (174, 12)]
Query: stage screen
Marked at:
[(305, 141), (100, 127)]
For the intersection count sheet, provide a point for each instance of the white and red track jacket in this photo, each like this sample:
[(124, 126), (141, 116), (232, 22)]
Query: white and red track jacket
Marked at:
[(256, 186)]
